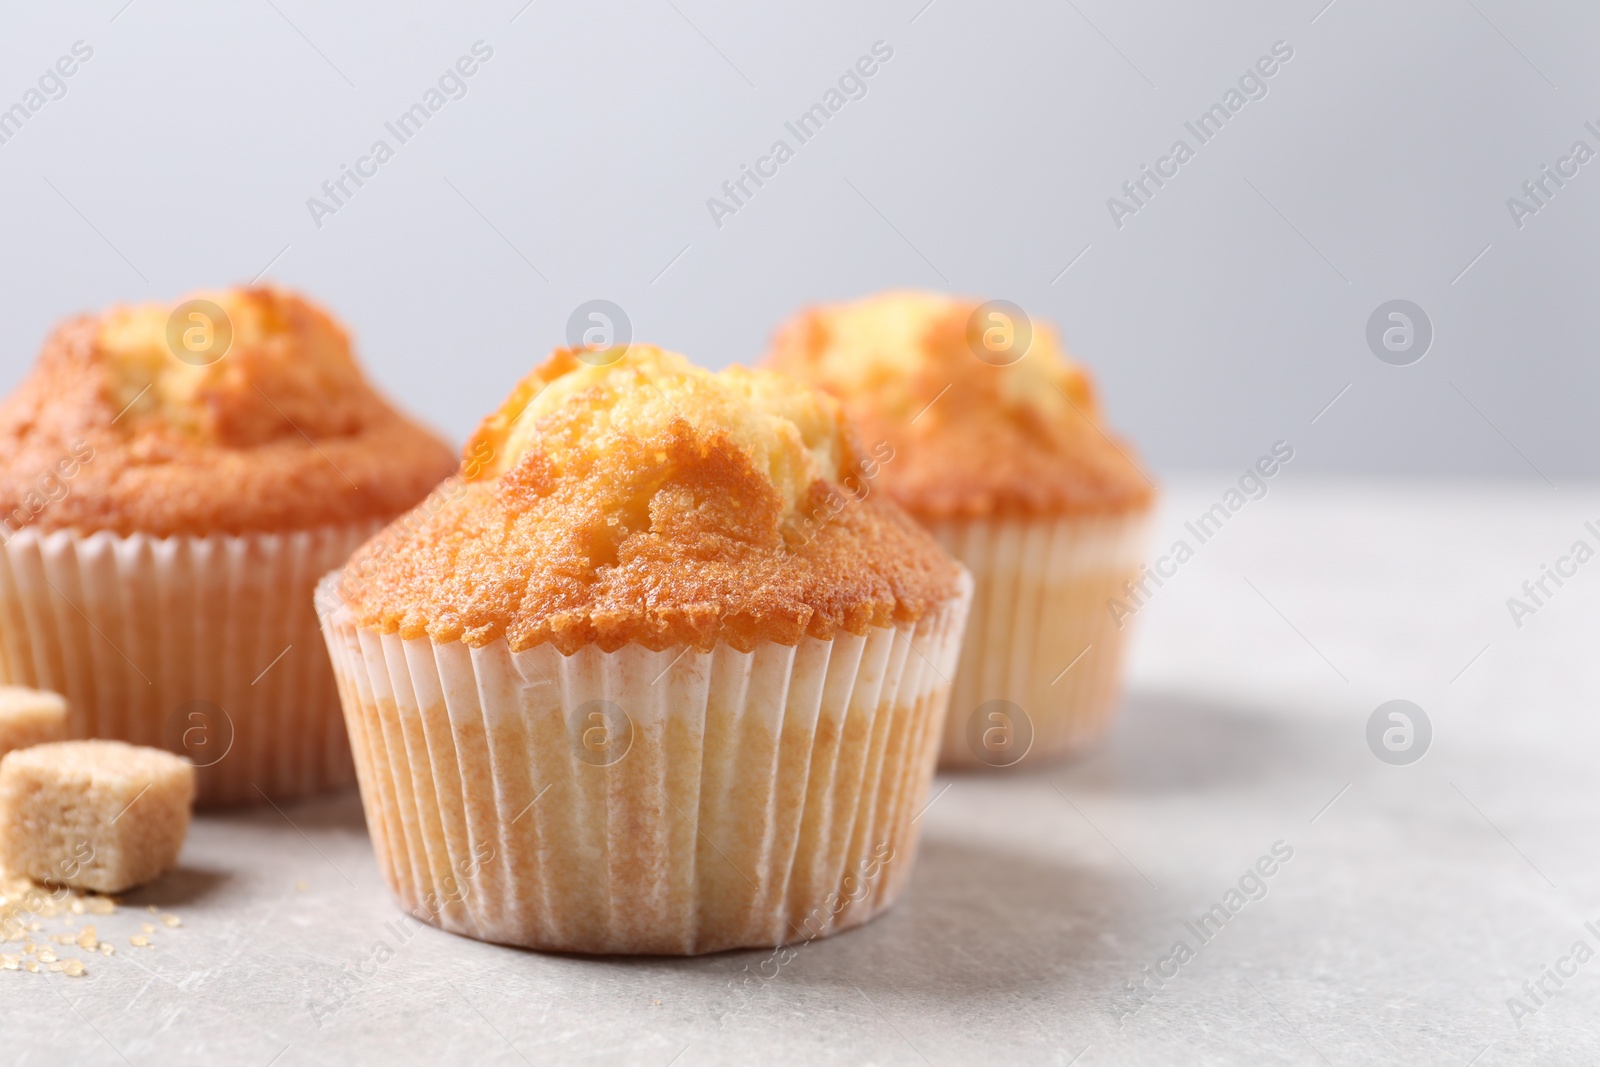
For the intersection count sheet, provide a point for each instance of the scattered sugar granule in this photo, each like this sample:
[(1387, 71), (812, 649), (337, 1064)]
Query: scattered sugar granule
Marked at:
[(10, 962), (107, 949), (86, 938), (47, 955), (139, 941), (148, 928), (72, 968), (31, 966), (171, 920)]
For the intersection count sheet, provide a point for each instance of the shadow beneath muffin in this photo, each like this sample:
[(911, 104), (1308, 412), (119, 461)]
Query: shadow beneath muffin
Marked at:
[(978, 921), (183, 885), (1167, 742), (331, 811), (993, 914)]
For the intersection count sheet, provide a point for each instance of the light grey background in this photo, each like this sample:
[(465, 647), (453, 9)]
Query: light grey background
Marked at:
[(1222, 317)]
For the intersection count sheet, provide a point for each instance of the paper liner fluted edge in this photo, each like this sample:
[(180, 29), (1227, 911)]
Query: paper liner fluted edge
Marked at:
[(767, 797), (206, 646), (1041, 636)]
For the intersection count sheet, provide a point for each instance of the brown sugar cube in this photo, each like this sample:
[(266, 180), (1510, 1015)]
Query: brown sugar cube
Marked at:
[(98, 815), (30, 717)]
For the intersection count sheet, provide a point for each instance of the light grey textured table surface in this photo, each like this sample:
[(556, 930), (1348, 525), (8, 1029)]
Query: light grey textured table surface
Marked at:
[(1414, 905)]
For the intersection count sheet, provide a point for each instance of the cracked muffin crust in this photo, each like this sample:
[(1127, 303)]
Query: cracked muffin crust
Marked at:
[(971, 439), (281, 431), (649, 500)]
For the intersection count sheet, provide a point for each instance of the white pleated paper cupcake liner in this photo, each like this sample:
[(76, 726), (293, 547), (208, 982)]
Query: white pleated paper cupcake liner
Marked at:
[(1041, 666), (672, 802), (205, 646)]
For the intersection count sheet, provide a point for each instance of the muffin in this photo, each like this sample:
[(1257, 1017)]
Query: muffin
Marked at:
[(992, 438), (173, 482), (616, 696)]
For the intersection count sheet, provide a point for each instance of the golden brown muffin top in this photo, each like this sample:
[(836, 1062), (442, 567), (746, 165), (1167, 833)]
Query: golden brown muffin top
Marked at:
[(628, 496), (252, 417), (1015, 433)]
